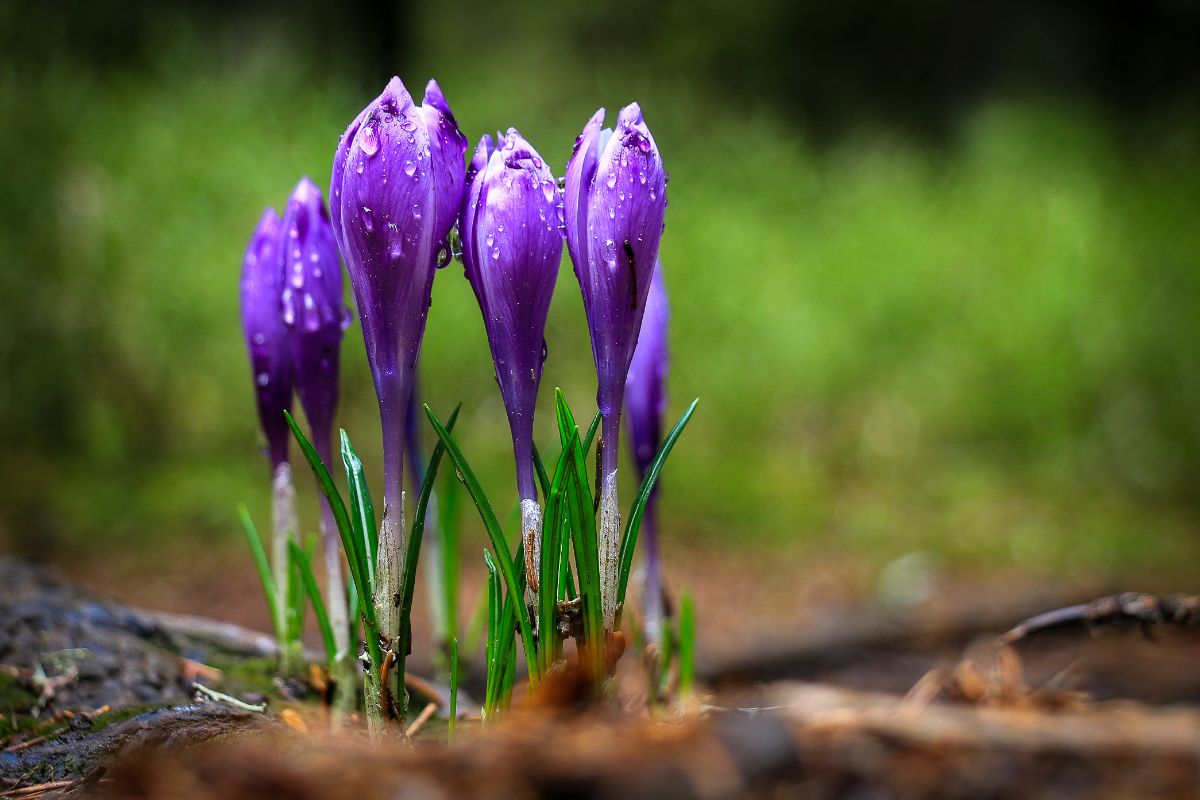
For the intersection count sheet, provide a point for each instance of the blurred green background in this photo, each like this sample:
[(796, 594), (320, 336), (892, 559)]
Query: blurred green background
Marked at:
[(934, 266)]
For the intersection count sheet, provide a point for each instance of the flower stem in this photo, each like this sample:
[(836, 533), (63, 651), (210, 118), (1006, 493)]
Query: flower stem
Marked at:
[(393, 534), (609, 535), (283, 530)]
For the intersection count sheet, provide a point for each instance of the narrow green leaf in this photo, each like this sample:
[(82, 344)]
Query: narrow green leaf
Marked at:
[(687, 645), (264, 571), (664, 657), (633, 525), (416, 537), (304, 568), (583, 534), (592, 430), (504, 560), (448, 517), (362, 510), (548, 570), (353, 549), (494, 606), (453, 686)]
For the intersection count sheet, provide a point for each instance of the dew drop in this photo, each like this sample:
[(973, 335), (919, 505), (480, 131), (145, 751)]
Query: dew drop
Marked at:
[(262, 379), (260, 339), (609, 252), (410, 168), (496, 253), (490, 239), (417, 210), (548, 190), (612, 180), (368, 142)]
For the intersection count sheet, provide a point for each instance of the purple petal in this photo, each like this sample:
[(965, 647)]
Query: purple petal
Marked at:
[(645, 388), (312, 303), (266, 334), (614, 224), (401, 185), (512, 246)]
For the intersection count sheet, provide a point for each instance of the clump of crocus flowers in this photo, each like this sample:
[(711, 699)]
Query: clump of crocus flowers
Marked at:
[(400, 184)]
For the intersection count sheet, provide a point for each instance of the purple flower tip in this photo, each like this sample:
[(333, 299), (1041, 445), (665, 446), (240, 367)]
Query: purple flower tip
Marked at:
[(396, 188), (512, 246), (312, 304), (266, 334), (615, 203)]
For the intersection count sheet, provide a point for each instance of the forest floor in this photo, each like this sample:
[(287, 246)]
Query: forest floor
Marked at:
[(806, 689)]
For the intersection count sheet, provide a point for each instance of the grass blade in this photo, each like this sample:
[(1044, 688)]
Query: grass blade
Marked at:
[(503, 559), (453, 686), (303, 566), (548, 570), (494, 605), (583, 534), (687, 645), (416, 536), (264, 570), (629, 541), (362, 510), (353, 548)]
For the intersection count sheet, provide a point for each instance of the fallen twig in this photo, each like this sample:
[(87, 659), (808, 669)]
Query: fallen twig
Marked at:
[(1126, 609), (421, 719), (37, 789), (212, 694)]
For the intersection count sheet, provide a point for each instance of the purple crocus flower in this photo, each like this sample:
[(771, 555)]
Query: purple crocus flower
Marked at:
[(512, 246), (316, 317), (645, 405), (267, 340), (614, 205), (266, 334), (396, 189)]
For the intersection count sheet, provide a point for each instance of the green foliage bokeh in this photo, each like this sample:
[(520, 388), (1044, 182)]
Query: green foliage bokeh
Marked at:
[(986, 347)]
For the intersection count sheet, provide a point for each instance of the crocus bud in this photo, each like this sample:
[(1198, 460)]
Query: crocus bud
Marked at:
[(512, 246), (397, 186), (267, 340), (312, 307), (646, 385), (614, 204), (645, 405), (316, 316), (266, 334)]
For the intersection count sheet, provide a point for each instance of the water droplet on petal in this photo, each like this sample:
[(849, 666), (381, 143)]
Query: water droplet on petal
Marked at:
[(609, 252), (496, 253), (410, 168), (262, 379), (612, 180), (417, 210), (368, 142), (490, 239)]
